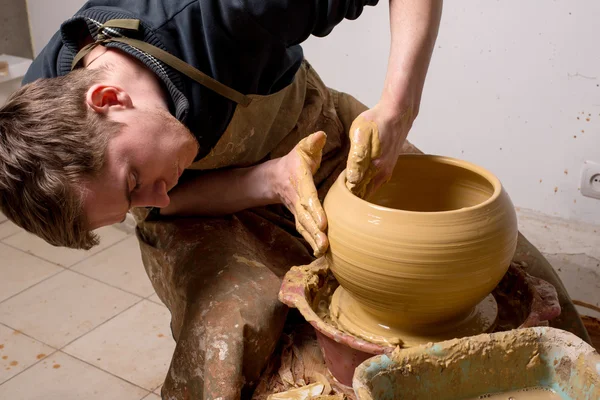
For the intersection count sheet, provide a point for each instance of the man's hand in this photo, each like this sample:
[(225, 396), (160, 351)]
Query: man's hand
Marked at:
[(378, 134), (376, 139), (287, 180), (296, 189)]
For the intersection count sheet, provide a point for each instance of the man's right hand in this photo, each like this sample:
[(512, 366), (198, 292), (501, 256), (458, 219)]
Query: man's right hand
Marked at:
[(296, 189)]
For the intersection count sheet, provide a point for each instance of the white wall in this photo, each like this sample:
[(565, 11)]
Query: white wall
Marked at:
[(45, 17), (507, 83)]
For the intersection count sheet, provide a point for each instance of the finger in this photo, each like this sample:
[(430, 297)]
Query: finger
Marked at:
[(304, 218), (307, 236), (379, 179), (317, 239), (365, 147), (360, 189), (323, 245), (311, 149), (360, 152), (308, 199), (372, 188)]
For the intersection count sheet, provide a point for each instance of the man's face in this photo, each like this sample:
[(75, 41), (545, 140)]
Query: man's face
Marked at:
[(143, 163)]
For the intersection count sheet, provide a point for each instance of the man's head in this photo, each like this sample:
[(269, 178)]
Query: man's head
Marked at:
[(76, 152)]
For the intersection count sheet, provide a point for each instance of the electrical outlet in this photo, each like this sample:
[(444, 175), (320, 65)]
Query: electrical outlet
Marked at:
[(590, 180)]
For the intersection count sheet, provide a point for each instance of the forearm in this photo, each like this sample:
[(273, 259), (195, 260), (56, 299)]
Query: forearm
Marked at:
[(224, 192), (414, 29)]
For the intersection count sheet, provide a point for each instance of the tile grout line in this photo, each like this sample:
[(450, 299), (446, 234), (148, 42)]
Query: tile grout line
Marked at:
[(127, 236), (62, 349), (27, 335), (102, 323), (80, 274), (55, 263), (12, 234), (105, 371), (33, 255), (76, 272), (31, 366), (108, 284), (160, 304), (35, 284), (55, 350), (83, 361)]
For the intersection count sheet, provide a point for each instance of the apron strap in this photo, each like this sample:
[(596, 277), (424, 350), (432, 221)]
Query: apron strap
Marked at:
[(167, 58)]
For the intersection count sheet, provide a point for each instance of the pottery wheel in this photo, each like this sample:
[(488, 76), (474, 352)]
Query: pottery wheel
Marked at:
[(350, 317)]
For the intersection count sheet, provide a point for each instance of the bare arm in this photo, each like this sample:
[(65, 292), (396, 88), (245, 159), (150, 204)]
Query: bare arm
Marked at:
[(287, 180), (378, 134), (414, 29), (224, 192)]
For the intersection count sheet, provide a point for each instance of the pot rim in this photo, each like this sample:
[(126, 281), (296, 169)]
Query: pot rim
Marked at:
[(486, 174)]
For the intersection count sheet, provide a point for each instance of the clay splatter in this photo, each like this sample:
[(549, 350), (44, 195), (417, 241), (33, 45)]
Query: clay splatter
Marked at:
[(4, 357), (1, 346), (555, 189), (14, 363), (160, 335), (40, 356), (566, 172), (56, 366)]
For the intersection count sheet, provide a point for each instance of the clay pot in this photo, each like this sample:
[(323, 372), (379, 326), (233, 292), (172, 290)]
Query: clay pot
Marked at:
[(427, 247)]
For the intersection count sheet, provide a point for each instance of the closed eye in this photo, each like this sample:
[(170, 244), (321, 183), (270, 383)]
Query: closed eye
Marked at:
[(136, 181)]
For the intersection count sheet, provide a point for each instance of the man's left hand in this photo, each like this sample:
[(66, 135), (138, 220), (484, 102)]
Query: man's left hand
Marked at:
[(376, 139)]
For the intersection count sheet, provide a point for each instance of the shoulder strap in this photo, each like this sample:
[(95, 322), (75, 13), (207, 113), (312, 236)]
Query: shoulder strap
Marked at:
[(167, 58)]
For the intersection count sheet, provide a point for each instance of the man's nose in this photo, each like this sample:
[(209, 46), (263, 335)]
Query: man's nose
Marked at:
[(152, 196)]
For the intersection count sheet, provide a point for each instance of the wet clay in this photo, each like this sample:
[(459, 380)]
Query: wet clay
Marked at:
[(501, 355), (310, 217), (365, 147), (430, 245), (470, 368), (348, 316), (535, 393)]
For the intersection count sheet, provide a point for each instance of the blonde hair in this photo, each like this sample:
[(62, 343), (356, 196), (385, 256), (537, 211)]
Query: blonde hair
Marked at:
[(50, 142)]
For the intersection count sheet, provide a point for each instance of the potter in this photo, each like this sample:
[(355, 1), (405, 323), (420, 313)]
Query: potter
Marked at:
[(197, 116), (421, 253)]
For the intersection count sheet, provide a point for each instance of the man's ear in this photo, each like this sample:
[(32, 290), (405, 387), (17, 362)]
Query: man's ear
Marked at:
[(101, 98)]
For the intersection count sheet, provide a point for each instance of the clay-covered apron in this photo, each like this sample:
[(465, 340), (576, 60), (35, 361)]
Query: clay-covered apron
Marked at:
[(220, 277)]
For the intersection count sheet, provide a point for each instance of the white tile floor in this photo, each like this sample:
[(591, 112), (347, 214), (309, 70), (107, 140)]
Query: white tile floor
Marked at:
[(79, 325), (88, 325)]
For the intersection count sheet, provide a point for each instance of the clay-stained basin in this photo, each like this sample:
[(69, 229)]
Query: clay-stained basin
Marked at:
[(426, 248), (484, 365)]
